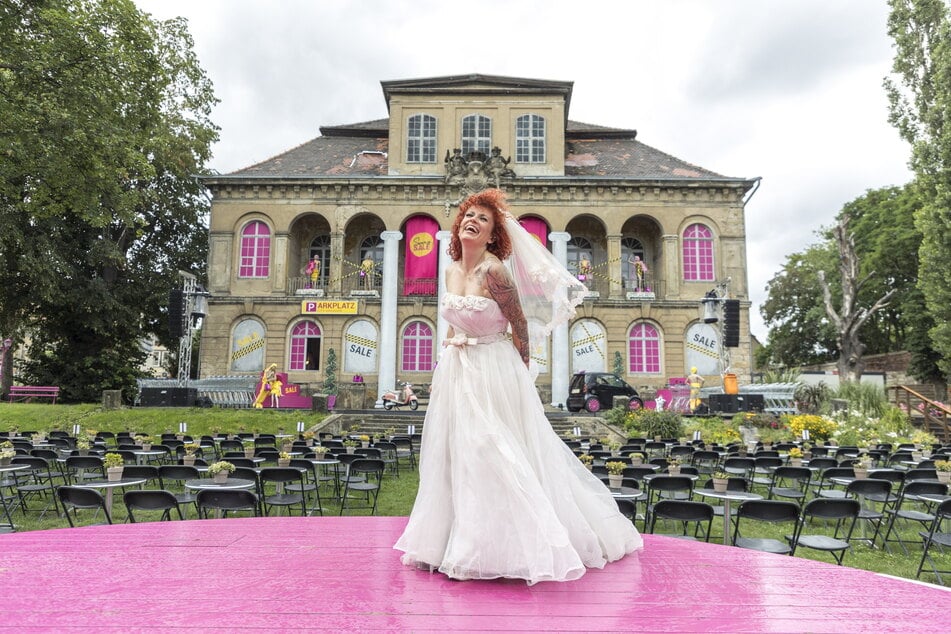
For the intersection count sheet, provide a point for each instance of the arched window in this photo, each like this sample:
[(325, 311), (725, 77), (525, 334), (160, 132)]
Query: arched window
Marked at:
[(417, 341), (644, 350), (305, 346), (629, 248), (320, 247), (421, 139), (698, 254), (530, 139), (255, 250), (578, 248), (476, 134)]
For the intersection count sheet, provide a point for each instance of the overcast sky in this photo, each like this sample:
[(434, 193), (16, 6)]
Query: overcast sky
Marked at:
[(786, 90)]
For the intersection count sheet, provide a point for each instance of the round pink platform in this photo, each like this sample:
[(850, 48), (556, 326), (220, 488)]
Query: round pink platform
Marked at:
[(341, 574)]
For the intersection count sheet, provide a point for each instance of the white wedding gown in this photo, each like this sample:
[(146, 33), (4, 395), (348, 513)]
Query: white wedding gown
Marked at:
[(500, 494)]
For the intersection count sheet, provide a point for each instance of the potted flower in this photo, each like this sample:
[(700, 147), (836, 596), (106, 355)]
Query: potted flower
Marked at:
[(308, 438), (943, 468), (350, 445), (321, 452), (364, 440), (613, 446), (615, 473), (861, 466), (114, 464), (191, 448), (248, 448), (721, 480), (144, 440), (587, 460), (39, 438), (7, 453), (82, 444), (389, 432), (219, 471), (795, 457), (283, 459), (807, 451), (673, 465), (637, 458)]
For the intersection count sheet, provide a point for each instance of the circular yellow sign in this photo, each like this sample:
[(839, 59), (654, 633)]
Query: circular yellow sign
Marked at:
[(421, 244)]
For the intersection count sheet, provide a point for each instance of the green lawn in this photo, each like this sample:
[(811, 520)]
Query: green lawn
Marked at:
[(397, 494)]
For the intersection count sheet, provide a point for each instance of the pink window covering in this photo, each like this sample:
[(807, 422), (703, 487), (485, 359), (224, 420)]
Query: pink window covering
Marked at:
[(255, 250), (644, 348), (417, 347), (698, 254), (422, 256), (299, 336), (537, 227)]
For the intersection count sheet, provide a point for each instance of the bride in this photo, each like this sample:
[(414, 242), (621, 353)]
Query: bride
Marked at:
[(500, 495)]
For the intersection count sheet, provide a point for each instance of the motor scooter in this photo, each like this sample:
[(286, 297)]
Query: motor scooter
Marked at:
[(406, 396)]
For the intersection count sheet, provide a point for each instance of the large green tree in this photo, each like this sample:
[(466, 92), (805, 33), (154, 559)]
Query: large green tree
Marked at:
[(920, 108), (106, 122), (887, 243)]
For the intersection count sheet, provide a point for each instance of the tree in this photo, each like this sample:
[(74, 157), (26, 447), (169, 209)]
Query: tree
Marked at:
[(850, 317), (799, 332), (919, 95), (106, 124)]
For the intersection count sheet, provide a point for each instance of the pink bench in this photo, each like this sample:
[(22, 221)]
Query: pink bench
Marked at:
[(29, 392)]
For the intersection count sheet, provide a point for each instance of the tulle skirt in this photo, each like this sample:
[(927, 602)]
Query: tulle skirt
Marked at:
[(500, 494)]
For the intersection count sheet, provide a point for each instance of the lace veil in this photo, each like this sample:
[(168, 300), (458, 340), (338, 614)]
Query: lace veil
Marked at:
[(548, 292)]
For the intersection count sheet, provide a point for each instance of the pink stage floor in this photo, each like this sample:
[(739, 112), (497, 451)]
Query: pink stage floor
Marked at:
[(340, 574)]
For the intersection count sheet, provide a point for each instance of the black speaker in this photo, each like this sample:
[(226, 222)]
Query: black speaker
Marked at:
[(731, 323), (168, 396), (176, 313)]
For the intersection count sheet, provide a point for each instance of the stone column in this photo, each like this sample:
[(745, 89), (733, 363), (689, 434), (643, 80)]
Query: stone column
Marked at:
[(335, 274), (671, 270), (386, 371), (279, 275), (558, 354), (614, 264), (442, 326)]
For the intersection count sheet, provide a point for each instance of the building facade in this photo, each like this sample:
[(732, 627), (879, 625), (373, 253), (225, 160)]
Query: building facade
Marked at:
[(340, 243)]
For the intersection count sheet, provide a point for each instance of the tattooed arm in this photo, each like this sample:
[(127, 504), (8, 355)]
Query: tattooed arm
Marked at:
[(502, 289)]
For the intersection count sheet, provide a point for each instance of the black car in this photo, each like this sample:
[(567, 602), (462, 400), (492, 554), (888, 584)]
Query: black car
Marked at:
[(595, 391)]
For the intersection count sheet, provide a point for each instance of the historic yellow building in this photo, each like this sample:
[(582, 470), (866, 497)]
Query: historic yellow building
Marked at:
[(340, 242)]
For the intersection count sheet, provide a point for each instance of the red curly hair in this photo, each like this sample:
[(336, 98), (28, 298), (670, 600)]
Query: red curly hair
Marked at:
[(493, 200)]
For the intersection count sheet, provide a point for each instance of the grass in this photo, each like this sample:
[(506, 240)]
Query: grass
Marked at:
[(398, 493)]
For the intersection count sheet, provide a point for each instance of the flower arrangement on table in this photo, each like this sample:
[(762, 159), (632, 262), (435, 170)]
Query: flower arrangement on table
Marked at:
[(112, 460), (82, 442), (613, 445), (6, 455), (942, 465), (389, 432), (863, 462), (615, 467), (222, 465), (349, 442), (586, 459), (720, 475), (39, 437), (364, 438), (6, 444), (283, 456), (143, 439), (308, 435), (92, 433), (248, 443), (320, 452), (675, 461), (795, 453), (191, 448)]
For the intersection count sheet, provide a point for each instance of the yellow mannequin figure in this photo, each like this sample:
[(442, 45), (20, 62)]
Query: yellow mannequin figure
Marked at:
[(696, 382)]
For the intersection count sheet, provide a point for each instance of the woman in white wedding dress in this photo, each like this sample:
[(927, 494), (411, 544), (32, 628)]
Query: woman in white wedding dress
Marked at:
[(500, 495)]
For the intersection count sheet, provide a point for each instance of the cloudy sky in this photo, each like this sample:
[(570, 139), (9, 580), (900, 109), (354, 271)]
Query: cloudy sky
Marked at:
[(786, 90)]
